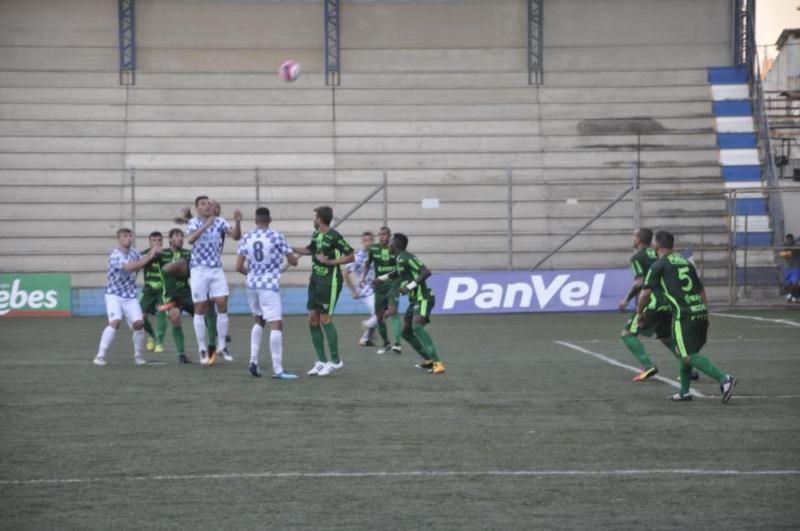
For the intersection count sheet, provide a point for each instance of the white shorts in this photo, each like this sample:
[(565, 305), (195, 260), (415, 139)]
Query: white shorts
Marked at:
[(118, 307), (265, 303), (208, 282), (369, 301)]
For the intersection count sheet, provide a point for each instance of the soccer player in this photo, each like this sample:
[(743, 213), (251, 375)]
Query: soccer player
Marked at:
[(123, 264), (413, 274), (381, 258), (153, 297), (657, 314), (330, 251), (177, 292), (678, 280), (260, 258), (207, 234), (362, 288)]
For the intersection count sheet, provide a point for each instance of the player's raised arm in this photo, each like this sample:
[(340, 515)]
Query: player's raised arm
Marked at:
[(198, 231), (236, 231), (143, 261), (240, 265)]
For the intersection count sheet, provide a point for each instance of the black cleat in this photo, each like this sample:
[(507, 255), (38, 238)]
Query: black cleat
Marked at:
[(426, 365), (727, 388), (695, 375), (677, 397), (183, 359)]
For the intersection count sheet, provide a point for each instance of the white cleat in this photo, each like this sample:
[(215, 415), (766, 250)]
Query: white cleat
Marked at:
[(203, 358), (326, 370), (138, 360), (315, 370), (387, 348), (100, 361), (226, 355)]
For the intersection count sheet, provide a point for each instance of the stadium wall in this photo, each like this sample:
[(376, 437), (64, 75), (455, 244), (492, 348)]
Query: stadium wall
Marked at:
[(436, 93)]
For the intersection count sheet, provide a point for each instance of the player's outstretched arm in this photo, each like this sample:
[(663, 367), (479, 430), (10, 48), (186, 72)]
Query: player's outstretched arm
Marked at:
[(179, 268), (348, 278), (644, 299), (292, 258), (240, 266), (143, 261), (236, 232), (635, 289), (195, 234), (302, 251)]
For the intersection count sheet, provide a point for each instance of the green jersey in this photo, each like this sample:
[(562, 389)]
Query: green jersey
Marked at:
[(173, 284), (334, 246), (153, 278), (408, 270), (679, 283), (383, 261), (640, 265)]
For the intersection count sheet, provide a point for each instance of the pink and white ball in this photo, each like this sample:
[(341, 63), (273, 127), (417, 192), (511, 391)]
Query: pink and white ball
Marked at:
[(289, 70)]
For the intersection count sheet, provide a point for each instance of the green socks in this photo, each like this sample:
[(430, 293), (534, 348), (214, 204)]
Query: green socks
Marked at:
[(148, 328), (415, 342), (685, 372), (177, 335), (161, 327), (382, 331), (397, 328), (333, 341), (211, 326), (427, 342), (319, 342), (704, 365), (637, 349)]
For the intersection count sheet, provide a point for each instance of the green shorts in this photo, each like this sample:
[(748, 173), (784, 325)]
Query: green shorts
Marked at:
[(690, 334), (421, 307), (151, 300), (655, 323), (184, 302), (386, 296), (323, 294)]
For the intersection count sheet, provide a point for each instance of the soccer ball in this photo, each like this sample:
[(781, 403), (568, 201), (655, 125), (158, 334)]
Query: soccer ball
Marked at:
[(289, 70)]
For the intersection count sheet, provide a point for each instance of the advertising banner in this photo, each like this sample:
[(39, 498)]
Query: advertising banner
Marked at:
[(35, 294), (568, 290)]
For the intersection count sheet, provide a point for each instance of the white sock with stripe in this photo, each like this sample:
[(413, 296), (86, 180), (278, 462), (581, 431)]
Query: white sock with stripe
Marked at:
[(106, 338), (199, 323), (276, 349), (138, 342), (222, 331), (255, 342)]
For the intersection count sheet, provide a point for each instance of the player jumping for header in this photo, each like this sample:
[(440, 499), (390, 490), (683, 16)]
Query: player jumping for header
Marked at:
[(680, 284), (123, 264), (330, 251), (207, 235), (386, 299), (260, 258), (413, 274)]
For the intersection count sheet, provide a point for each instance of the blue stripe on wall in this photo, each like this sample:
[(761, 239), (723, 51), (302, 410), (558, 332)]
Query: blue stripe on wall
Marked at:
[(757, 276), (90, 302), (753, 239), (733, 108), (751, 206), (727, 75), (736, 140), (741, 173)]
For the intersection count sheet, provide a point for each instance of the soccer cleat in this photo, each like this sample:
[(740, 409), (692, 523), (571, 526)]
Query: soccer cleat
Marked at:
[(318, 366), (645, 374), (254, 370), (387, 348), (337, 365), (151, 344), (138, 360), (695, 375), (99, 361), (212, 357), (677, 397), (159, 349), (167, 306), (425, 365), (727, 388), (366, 342), (326, 370), (226, 355), (183, 359), (284, 376), (437, 368), (203, 358), (397, 349)]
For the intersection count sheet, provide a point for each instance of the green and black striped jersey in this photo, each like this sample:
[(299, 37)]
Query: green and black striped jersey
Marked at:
[(331, 244), (678, 280), (408, 270)]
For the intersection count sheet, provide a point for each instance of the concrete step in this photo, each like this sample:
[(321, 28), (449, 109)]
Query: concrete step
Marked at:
[(77, 128), (60, 111)]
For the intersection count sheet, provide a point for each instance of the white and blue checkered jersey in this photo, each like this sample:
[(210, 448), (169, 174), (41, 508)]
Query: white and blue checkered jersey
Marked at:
[(264, 250), (207, 249), (357, 267), (120, 282)]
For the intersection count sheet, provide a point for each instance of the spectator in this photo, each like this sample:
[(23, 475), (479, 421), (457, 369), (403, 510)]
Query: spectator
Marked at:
[(791, 275)]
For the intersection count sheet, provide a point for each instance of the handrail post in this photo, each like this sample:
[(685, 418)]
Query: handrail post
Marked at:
[(510, 218), (258, 187), (133, 201), (385, 198)]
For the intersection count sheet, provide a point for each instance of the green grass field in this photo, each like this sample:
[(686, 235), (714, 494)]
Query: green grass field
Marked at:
[(520, 433)]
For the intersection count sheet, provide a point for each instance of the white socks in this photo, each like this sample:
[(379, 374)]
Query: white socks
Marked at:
[(222, 331), (372, 322), (106, 338), (255, 342), (199, 323), (138, 342), (276, 349)]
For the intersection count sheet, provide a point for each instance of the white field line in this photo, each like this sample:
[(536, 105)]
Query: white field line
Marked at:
[(409, 474), (612, 361), (756, 318)]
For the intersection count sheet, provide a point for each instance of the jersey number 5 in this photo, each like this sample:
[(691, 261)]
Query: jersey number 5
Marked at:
[(683, 274)]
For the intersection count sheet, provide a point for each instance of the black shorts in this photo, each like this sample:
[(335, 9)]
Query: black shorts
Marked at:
[(421, 307), (654, 323), (151, 300), (690, 334), (386, 296), (323, 294)]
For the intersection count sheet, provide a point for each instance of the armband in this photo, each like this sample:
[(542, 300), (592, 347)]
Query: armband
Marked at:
[(411, 285), (383, 278)]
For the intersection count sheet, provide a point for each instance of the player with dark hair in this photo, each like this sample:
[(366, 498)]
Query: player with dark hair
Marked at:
[(678, 280), (153, 297), (380, 257), (330, 251), (177, 292), (657, 314), (412, 275)]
